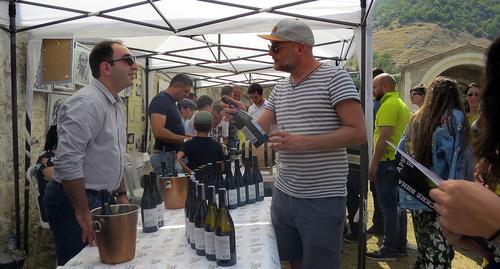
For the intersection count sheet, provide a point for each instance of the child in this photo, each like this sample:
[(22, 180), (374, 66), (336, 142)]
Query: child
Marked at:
[(201, 149)]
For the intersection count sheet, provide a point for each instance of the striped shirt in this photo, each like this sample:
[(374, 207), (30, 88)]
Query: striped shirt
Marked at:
[(309, 109)]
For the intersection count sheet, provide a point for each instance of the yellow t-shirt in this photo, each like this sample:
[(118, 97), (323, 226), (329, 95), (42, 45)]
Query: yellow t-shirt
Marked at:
[(393, 112)]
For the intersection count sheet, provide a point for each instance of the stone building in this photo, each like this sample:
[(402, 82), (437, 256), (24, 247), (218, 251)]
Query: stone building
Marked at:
[(464, 63)]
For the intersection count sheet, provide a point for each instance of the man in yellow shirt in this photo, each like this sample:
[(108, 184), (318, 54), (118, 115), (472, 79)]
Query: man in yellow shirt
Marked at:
[(390, 123)]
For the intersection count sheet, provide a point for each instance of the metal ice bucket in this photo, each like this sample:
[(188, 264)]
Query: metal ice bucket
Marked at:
[(175, 191), (116, 234)]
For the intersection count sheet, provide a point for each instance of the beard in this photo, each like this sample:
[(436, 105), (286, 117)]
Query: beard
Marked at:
[(287, 65)]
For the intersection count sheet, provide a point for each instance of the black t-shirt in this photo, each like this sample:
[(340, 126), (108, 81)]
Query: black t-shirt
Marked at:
[(201, 150), (164, 104)]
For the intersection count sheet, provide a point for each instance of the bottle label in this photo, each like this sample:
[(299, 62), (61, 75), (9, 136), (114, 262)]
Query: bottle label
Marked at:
[(209, 243), (261, 189), (160, 207), (233, 197), (222, 247), (243, 194), (150, 217), (249, 135), (191, 233), (251, 191), (200, 238)]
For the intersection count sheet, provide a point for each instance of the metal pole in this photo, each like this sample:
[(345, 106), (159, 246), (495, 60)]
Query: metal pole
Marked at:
[(13, 89), (364, 151), (146, 100)]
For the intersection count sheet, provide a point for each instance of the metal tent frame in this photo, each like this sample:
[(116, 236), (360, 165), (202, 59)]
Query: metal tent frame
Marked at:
[(218, 52)]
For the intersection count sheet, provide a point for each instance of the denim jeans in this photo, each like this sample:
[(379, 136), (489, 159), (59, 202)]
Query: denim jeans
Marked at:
[(165, 156), (388, 198), (62, 221)]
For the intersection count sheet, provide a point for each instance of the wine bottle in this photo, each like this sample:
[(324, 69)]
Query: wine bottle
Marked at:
[(149, 213), (163, 166), (248, 177), (259, 181), (247, 124), (225, 239), (158, 198), (240, 183), (220, 179), (232, 189), (199, 221), (187, 207), (105, 208), (192, 234), (210, 219)]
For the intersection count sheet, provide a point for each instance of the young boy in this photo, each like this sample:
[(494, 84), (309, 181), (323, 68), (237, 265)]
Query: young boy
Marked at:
[(201, 149)]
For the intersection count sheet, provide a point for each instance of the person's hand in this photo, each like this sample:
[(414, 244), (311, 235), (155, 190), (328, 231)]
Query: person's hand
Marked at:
[(465, 242), (372, 172), (467, 208), (44, 161), (85, 221), (281, 140), (122, 199), (229, 110)]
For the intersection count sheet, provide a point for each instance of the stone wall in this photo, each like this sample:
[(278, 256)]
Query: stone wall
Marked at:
[(41, 253)]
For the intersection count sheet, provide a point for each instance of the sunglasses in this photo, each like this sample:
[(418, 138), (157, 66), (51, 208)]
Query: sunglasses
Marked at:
[(128, 59), (472, 94), (275, 48)]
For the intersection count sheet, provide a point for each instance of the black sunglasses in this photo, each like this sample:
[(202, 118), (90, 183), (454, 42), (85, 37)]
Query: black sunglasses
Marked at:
[(274, 48), (128, 59)]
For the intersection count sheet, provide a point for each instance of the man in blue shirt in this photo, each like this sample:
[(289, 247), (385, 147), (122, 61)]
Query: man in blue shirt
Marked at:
[(166, 123)]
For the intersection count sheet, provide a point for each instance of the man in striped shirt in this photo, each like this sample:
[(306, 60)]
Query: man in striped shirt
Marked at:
[(318, 113)]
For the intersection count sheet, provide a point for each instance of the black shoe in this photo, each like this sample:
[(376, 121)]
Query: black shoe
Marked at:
[(351, 238), (373, 230), (384, 255)]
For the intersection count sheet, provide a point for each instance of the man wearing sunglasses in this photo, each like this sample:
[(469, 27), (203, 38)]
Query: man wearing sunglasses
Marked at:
[(91, 148), (319, 113)]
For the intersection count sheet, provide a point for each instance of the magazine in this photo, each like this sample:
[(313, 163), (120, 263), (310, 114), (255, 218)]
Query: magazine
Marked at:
[(415, 178)]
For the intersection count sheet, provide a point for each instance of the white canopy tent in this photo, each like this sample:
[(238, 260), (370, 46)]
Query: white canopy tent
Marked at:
[(214, 41)]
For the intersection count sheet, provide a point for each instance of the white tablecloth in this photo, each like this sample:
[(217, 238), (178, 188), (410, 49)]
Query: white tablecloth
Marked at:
[(168, 249)]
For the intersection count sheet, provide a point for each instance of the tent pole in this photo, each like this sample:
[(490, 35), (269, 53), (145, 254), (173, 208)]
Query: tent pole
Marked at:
[(13, 89), (146, 99), (364, 150)]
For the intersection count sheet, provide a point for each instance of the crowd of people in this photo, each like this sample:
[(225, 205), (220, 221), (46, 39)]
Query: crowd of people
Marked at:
[(318, 113)]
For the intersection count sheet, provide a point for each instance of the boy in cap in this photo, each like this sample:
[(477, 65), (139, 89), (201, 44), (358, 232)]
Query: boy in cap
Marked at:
[(201, 149)]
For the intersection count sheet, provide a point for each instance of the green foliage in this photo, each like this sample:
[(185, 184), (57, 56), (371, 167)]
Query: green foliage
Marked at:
[(479, 17)]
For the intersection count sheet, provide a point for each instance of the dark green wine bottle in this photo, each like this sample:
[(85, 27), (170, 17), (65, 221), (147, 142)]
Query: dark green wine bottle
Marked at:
[(225, 239), (199, 221), (240, 183), (250, 184), (210, 219), (259, 181), (192, 210), (232, 189), (149, 212)]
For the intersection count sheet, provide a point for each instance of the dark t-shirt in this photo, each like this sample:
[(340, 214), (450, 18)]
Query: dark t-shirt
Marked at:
[(164, 104), (201, 150)]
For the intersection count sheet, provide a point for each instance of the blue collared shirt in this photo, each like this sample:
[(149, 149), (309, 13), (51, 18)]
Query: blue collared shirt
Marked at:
[(91, 130)]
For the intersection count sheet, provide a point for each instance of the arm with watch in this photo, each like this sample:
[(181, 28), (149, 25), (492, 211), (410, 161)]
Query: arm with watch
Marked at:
[(121, 193)]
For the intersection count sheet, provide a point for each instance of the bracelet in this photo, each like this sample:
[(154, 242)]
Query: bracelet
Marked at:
[(120, 193)]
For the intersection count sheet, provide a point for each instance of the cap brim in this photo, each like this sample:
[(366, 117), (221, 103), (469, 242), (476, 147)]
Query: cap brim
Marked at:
[(272, 38)]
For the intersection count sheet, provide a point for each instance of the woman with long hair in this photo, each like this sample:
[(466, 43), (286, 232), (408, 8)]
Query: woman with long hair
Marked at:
[(438, 137), (473, 208)]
